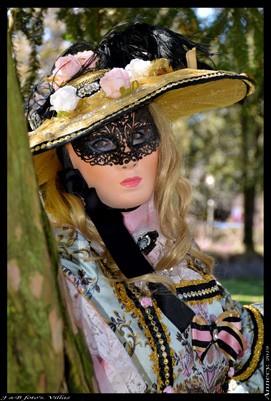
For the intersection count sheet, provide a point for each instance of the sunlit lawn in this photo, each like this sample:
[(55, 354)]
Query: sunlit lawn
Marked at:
[(245, 290)]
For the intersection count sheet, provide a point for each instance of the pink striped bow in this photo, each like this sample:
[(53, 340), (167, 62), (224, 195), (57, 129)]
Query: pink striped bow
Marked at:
[(224, 332)]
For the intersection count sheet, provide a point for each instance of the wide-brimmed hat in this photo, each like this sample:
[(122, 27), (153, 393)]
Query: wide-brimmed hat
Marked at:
[(99, 96)]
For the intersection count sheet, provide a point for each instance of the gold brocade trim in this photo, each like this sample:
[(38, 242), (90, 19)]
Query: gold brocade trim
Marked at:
[(192, 296), (130, 307), (168, 340), (165, 329), (204, 301), (258, 346), (186, 283)]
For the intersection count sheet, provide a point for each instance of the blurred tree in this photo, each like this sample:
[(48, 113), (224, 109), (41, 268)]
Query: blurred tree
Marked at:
[(238, 33), (46, 350), (29, 23)]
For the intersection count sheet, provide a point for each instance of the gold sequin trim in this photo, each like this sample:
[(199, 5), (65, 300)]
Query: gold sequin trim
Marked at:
[(162, 347), (204, 301), (186, 283), (130, 307), (258, 346), (192, 296), (168, 340), (188, 296), (158, 342)]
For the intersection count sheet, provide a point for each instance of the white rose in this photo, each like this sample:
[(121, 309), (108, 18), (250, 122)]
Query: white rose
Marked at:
[(64, 99), (138, 68)]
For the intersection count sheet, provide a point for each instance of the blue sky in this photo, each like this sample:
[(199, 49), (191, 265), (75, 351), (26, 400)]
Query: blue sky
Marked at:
[(204, 12)]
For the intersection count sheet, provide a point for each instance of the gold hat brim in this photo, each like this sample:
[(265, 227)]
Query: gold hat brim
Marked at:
[(179, 93)]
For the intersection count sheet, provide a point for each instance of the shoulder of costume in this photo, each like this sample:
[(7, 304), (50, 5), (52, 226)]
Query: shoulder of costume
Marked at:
[(252, 364)]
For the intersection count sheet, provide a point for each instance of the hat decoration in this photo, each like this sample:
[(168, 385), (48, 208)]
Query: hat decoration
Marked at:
[(115, 83), (128, 69)]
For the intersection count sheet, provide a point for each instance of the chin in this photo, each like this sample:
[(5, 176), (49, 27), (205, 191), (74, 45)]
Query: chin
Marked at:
[(133, 200)]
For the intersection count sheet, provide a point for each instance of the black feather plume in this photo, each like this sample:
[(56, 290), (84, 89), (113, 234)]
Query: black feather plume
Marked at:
[(147, 42)]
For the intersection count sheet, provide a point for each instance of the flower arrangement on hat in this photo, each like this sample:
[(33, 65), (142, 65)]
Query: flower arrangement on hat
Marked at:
[(64, 99), (115, 83)]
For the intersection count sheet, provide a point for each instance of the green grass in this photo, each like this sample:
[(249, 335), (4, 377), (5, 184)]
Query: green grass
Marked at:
[(245, 290)]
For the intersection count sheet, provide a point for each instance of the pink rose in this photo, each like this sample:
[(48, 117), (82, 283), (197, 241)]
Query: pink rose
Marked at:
[(145, 302), (168, 389), (83, 57), (65, 68), (113, 80)]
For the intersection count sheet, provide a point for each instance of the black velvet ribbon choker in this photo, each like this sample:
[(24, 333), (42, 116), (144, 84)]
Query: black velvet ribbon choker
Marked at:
[(123, 249)]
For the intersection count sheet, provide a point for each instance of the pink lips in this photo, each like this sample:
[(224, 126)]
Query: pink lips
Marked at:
[(131, 182)]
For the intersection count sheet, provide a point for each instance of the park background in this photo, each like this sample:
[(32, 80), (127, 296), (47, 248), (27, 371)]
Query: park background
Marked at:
[(222, 149)]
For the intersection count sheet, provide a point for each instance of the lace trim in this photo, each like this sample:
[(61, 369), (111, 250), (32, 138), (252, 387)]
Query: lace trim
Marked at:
[(256, 349), (122, 374)]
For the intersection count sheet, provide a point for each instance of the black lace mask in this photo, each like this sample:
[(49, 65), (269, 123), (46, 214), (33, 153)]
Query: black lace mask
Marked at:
[(130, 138)]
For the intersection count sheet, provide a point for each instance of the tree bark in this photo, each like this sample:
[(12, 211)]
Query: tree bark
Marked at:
[(46, 350), (248, 182), (249, 210)]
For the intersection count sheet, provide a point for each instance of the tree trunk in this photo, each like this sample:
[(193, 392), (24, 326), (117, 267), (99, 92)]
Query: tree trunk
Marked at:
[(249, 209), (248, 182), (46, 350)]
